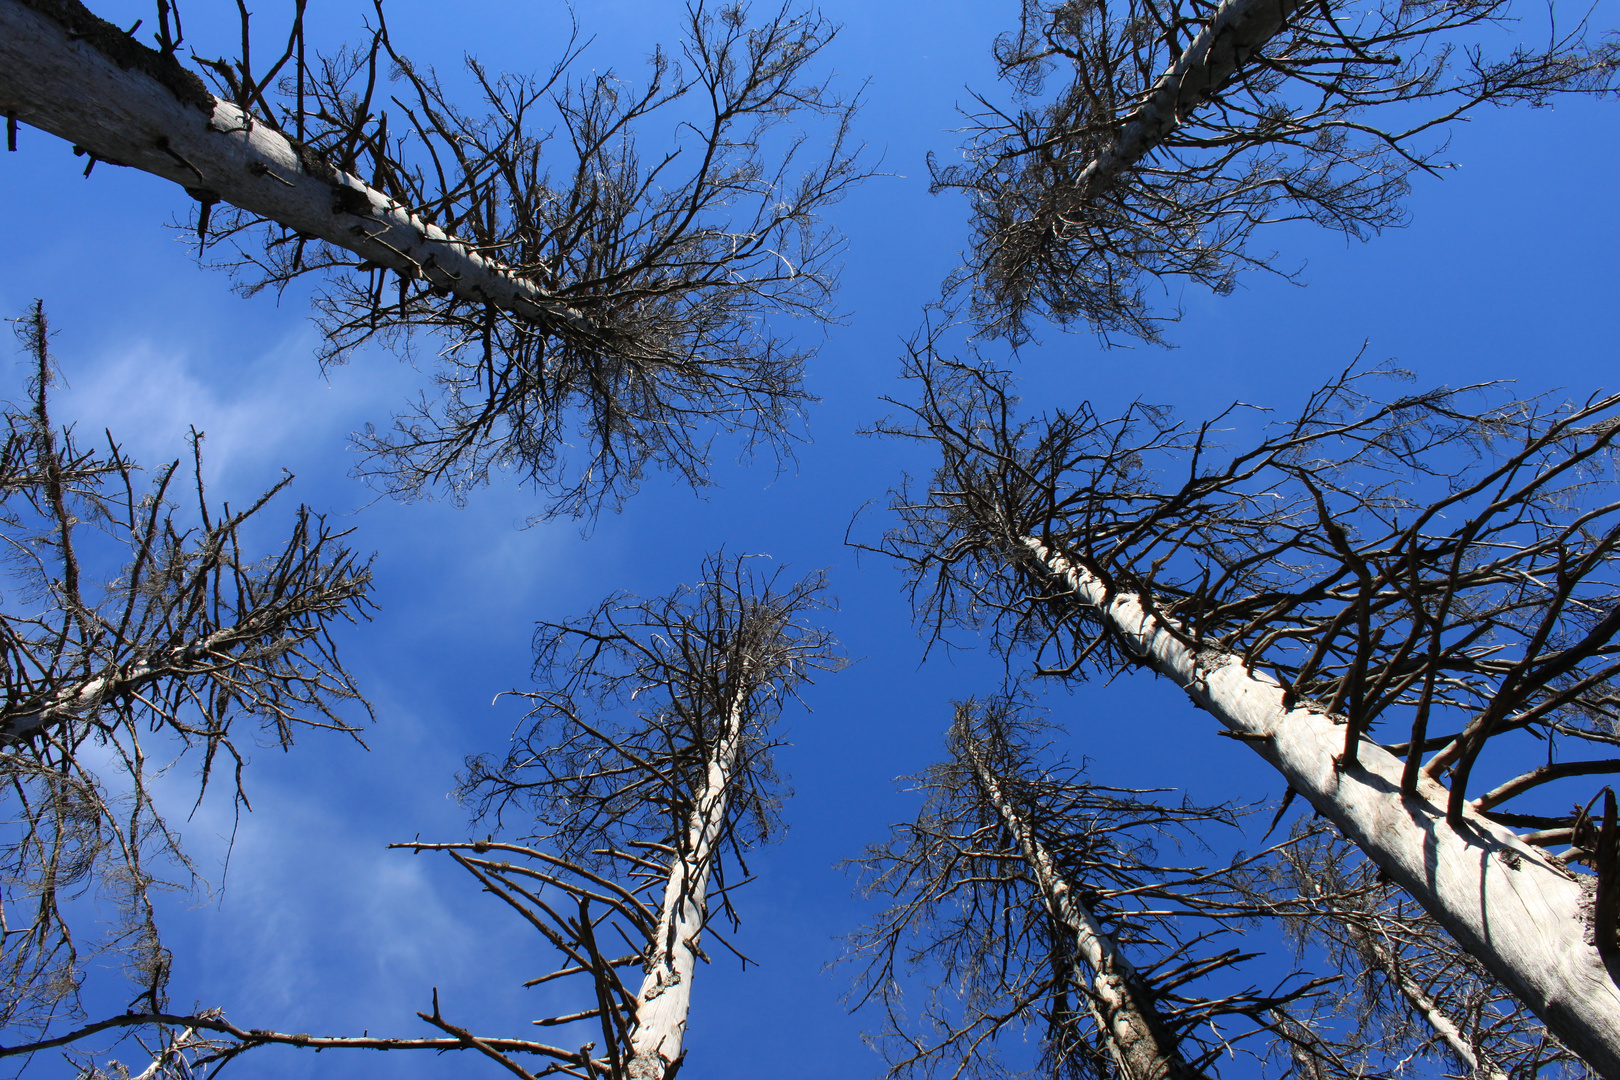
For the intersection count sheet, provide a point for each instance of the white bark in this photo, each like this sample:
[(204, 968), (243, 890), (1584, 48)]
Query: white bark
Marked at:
[(666, 991), (1524, 916), (127, 116), (1118, 998), (1238, 31), (1432, 1013), (81, 698)]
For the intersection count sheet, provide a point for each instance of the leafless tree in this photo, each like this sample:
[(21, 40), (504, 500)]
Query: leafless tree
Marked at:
[(1408, 990), (1034, 898), (1446, 559), (1176, 127), (130, 639), (646, 771), (575, 282)]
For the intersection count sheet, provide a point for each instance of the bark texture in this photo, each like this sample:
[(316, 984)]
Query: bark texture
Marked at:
[(69, 73), (1525, 916)]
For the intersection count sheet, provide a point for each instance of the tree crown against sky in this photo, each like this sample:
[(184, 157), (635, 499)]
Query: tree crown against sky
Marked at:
[(642, 554), (131, 637), (1146, 142), (1351, 538), (597, 308), (1033, 901), (1441, 559)]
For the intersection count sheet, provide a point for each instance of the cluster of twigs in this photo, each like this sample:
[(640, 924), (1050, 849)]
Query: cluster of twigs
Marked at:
[(1407, 991), (106, 677), (1149, 138), (663, 267), (1031, 897)]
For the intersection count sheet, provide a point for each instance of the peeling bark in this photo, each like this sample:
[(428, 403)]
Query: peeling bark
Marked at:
[(1523, 915)]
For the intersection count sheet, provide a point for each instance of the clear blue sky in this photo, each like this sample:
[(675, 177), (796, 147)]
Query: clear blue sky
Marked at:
[(1506, 271)]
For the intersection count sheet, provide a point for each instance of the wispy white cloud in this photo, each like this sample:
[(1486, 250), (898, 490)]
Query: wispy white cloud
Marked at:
[(261, 409)]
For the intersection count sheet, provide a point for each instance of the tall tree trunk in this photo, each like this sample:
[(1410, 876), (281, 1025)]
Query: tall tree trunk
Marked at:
[(74, 75), (1239, 30), (1118, 998), (1524, 916), (666, 991)]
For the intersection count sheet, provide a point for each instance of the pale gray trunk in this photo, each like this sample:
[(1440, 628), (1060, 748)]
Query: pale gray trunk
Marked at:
[(1384, 959), (666, 991), (1239, 30), (175, 1053), (81, 698), (175, 129), (1118, 998), (1519, 912)]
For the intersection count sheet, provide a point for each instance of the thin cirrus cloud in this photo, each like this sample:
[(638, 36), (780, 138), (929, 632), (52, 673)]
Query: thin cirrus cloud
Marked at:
[(264, 412)]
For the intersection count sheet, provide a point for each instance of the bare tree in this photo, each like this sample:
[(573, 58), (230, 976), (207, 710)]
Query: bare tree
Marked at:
[(1033, 897), (1178, 126), (1409, 989), (647, 773), (128, 638), (577, 283), (1441, 558)]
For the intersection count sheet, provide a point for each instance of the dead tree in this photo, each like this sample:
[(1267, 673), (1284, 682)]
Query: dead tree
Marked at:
[(645, 771), (1028, 894), (1440, 562), (129, 632), (1408, 991), (669, 792), (1176, 127), (576, 283)]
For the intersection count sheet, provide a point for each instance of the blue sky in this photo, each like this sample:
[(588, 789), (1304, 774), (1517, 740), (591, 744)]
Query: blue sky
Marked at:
[(1505, 272)]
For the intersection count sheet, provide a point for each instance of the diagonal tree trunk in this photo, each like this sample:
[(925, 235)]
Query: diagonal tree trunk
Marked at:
[(1368, 944), (665, 999), (66, 71), (1238, 30), (1521, 914), (1119, 1000), (1423, 1004)]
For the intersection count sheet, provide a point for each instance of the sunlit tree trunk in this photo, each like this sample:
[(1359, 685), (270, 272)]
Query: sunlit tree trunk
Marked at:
[(1118, 998), (126, 104), (1522, 915), (666, 991)]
